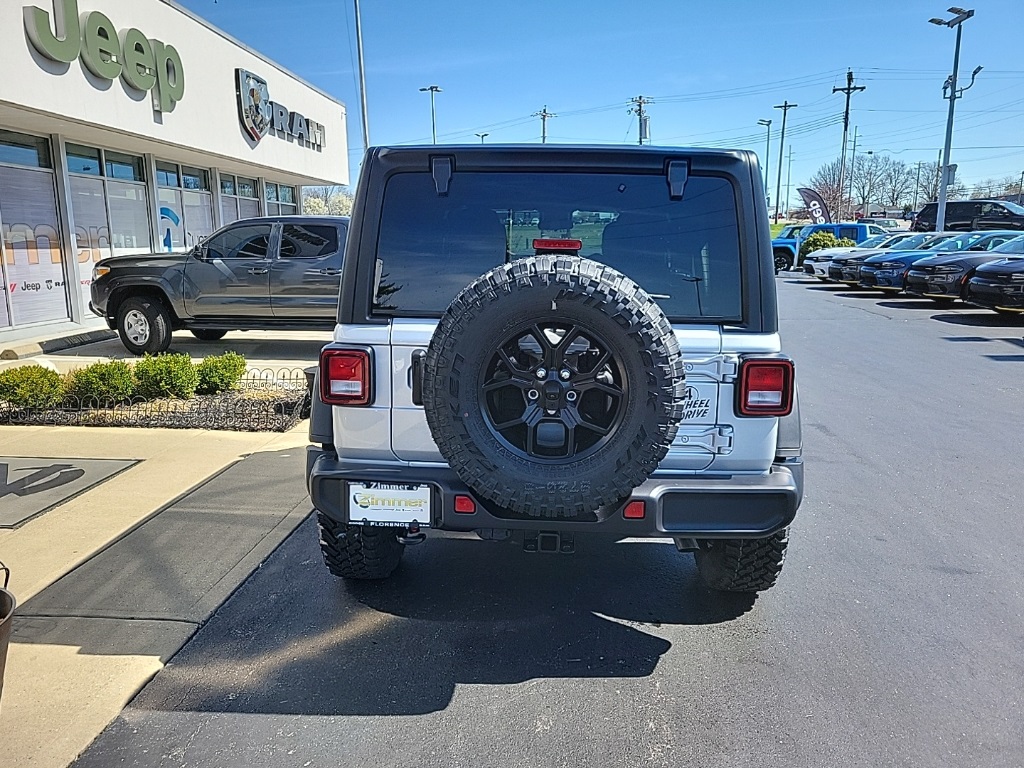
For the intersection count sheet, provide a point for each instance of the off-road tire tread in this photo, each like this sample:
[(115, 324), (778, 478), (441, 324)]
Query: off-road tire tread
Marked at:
[(358, 552), (742, 565), (620, 299)]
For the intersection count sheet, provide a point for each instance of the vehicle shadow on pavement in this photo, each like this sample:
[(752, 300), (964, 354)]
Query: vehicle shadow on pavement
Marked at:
[(295, 640), (982, 320), (927, 304)]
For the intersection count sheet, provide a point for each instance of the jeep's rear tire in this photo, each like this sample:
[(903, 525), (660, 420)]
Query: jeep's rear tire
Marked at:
[(783, 260), (553, 386), (358, 552), (144, 325), (206, 334), (741, 565)]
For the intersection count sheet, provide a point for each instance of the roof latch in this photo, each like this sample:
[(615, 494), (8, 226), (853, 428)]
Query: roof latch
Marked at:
[(441, 168), (677, 172)]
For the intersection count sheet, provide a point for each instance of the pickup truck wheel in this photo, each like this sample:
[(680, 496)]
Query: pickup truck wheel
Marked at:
[(553, 386), (783, 260), (207, 335), (357, 552), (144, 325), (741, 565)]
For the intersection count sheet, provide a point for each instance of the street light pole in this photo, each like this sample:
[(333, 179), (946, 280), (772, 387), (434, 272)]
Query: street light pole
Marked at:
[(767, 150), (432, 89), (957, 21), (362, 79), (482, 136)]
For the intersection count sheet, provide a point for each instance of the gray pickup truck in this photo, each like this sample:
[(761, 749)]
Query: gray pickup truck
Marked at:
[(278, 272)]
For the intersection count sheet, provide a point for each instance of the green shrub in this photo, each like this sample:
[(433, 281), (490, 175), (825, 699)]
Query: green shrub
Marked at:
[(31, 386), (102, 383), (816, 242), (845, 242), (219, 373), (166, 376)]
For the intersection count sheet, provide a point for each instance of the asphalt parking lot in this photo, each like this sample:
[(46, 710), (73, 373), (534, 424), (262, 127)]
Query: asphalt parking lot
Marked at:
[(892, 639)]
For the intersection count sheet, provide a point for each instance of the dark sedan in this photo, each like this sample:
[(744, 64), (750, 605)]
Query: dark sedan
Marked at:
[(999, 285), (944, 276), (889, 274), (846, 268)]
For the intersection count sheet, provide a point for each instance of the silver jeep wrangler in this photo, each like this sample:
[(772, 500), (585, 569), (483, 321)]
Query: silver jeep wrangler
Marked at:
[(539, 342)]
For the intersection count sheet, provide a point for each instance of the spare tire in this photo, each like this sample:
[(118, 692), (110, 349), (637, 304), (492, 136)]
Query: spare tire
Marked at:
[(553, 385)]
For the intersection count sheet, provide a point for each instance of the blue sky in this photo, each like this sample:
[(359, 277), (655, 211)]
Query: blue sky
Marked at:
[(712, 69)]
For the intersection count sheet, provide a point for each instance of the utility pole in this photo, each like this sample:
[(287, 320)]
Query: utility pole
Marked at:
[(767, 149), (853, 170), (785, 107), (544, 115), (954, 94), (1020, 189), (362, 80), (638, 109), (849, 90), (433, 90), (789, 176), (917, 185)]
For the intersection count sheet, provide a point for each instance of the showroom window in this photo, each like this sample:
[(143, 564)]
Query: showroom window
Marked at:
[(238, 198), (186, 205), (110, 203), (280, 199), (33, 288)]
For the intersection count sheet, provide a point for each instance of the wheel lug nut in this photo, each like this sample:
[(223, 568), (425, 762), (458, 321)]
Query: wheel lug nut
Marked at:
[(564, 374), (570, 396), (542, 373), (533, 394)]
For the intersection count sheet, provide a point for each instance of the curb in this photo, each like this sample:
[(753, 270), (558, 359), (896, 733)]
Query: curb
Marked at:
[(45, 346)]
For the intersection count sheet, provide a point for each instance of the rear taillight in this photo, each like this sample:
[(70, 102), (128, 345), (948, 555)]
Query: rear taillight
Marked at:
[(557, 245), (346, 376), (766, 388)]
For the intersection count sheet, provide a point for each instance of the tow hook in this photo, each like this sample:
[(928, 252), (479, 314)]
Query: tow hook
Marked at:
[(412, 536), (549, 541)]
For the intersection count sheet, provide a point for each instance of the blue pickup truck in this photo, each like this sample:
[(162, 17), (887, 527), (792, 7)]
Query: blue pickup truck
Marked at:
[(784, 246)]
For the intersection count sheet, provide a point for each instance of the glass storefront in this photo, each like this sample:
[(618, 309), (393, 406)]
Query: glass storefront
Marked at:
[(34, 284), (186, 205), (238, 198), (110, 207), (280, 199)]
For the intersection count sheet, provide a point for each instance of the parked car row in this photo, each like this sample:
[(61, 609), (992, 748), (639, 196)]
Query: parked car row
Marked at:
[(784, 245), (984, 268)]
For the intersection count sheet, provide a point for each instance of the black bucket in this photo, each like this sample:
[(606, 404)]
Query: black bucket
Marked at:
[(7, 604)]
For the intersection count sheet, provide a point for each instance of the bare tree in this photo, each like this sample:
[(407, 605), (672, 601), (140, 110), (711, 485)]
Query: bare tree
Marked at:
[(928, 183), (868, 172), (825, 182), (334, 200), (896, 182)]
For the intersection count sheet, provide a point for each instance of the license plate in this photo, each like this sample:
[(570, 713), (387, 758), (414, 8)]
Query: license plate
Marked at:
[(389, 504)]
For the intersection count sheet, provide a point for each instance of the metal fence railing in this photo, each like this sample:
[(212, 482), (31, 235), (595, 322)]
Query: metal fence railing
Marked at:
[(264, 401)]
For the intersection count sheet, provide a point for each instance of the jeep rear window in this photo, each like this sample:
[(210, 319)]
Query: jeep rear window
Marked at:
[(683, 252)]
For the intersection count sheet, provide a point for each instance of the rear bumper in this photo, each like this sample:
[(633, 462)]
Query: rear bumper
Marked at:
[(689, 506)]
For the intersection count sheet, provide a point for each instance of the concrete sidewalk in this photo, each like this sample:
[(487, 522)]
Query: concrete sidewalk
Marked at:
[(112, 582)]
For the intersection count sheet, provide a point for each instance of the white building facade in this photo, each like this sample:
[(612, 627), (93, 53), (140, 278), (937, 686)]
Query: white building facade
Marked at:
[(133, 126)]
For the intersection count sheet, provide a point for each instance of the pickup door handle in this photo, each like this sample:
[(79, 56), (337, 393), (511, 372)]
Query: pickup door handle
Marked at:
[(256, 271), (416, 374), (331, 272)]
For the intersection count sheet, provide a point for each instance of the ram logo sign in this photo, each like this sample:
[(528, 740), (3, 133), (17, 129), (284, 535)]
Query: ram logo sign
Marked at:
[(260, 116)]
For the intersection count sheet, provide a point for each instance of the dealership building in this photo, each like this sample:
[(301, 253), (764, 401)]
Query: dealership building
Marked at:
[(134, 126)]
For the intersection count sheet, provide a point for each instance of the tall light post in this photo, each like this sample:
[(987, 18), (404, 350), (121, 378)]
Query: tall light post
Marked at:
[(432, 90), (867, 192), (961, 15), (483, 136), (767, 149), (362, 79)]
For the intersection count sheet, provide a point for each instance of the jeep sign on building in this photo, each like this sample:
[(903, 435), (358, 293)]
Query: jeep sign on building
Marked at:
[(133, 126)]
